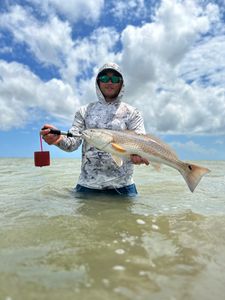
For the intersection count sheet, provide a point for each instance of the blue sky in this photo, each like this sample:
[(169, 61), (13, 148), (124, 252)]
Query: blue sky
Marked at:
[(171, 53)]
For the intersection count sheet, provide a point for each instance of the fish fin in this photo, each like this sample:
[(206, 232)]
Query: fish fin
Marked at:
[(117, 160), (132, 132), (192, 174), (156, 166), (117, 147)]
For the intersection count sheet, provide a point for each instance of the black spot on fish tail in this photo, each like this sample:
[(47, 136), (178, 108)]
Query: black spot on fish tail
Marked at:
[(190, 167)]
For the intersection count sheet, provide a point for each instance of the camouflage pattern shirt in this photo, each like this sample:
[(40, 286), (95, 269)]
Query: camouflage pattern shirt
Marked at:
[(98, 169)]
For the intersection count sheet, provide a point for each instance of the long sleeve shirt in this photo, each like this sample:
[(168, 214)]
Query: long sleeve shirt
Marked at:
[(98, 169)]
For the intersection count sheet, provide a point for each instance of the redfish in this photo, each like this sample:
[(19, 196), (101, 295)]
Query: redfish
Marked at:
[(122, 144)]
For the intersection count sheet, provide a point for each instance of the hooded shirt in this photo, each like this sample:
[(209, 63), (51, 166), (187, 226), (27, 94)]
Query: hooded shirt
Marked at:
[(98, 169)]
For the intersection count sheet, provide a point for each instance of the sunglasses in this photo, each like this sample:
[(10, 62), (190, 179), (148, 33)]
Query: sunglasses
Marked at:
[(106, 78)]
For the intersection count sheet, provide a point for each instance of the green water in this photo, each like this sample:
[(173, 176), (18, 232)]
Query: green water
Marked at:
[(166, 244)]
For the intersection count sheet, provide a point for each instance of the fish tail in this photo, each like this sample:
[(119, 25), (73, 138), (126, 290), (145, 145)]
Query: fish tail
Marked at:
[(192, 174)]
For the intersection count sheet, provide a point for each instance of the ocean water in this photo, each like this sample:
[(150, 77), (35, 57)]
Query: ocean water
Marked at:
[(167, 243)]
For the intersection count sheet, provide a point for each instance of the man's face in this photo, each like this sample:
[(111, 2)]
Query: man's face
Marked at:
[(110, 90)]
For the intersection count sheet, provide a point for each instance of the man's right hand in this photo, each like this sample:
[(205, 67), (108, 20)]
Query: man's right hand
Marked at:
[(49, 138)]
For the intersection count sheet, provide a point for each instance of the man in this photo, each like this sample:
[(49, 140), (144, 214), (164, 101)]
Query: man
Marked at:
[(99, 173)]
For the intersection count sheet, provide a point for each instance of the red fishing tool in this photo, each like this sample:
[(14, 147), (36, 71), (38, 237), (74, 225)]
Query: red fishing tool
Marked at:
[(42, 158)]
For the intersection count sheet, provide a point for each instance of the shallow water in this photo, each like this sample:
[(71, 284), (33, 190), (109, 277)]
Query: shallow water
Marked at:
[(165, 244)]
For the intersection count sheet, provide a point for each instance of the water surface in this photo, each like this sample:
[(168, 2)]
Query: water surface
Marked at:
[(167, 243)]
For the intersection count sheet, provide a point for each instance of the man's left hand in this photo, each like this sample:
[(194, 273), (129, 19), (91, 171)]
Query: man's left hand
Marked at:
[(138, 160)]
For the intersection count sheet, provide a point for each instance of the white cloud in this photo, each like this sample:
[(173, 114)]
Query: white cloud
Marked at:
[(165, 64), (195, 148), (205, 64), (178, 25), (6, 50), (188, 109), (74, 10), (220, 141), (22, 93), (128, 9), (158, 56), (168, 38), (90, 52), (50, 42)]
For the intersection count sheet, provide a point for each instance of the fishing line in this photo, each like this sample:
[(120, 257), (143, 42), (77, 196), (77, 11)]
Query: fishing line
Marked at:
[(41, 143)]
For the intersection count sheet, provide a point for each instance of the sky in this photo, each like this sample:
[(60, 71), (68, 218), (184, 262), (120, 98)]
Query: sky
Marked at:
[(172, 53)]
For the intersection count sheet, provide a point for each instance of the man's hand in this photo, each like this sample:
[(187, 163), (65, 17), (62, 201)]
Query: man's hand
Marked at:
[(51, 139), (138, 160)]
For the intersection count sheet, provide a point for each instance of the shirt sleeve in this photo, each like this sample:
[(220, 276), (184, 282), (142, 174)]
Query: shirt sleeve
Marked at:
[(70, 144), (136, 122)]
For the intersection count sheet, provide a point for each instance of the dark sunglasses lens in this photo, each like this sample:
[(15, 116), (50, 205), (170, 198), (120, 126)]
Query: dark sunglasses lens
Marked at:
[(115, 79), (106, 78)]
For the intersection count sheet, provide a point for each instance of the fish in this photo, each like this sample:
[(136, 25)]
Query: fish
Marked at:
[(122, 144)]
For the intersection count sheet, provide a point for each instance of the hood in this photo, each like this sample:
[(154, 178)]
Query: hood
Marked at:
[(111, 66)]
